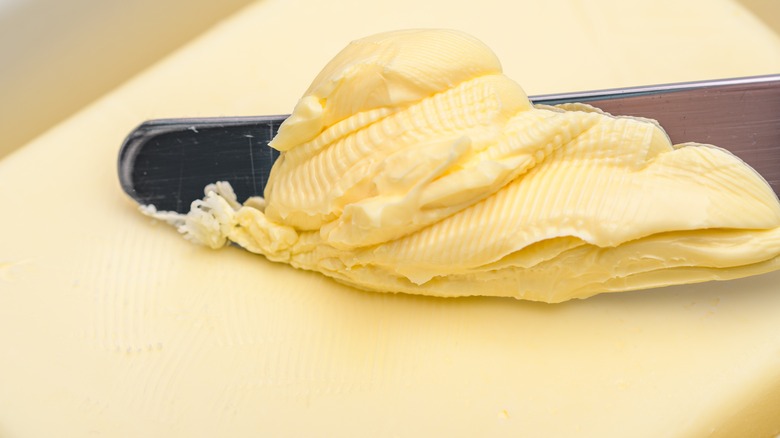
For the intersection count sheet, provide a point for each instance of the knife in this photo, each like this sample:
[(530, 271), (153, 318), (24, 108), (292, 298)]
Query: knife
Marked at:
[(168, 162)]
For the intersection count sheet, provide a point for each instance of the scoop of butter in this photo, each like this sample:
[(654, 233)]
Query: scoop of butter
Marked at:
[(413, 164)]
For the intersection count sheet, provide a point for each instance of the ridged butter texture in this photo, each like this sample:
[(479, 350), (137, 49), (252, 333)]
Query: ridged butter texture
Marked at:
[(412, 164)]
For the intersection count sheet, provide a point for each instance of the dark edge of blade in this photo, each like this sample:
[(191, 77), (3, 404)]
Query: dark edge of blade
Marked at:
[(168, 162)]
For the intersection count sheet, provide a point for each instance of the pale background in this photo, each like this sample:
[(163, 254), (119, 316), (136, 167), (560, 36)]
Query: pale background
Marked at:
[(56, 56)]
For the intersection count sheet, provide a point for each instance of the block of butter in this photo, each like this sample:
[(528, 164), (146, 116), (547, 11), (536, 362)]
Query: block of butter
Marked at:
[(111, 325)]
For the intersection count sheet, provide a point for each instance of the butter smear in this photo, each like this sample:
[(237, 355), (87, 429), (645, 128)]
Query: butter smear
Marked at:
[(413, 164)]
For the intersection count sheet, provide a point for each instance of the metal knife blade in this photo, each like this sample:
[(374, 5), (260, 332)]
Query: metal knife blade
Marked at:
[(168, 162)]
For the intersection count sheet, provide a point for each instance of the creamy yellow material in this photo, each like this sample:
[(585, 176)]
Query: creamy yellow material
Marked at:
[(412, 164), (112, 326)]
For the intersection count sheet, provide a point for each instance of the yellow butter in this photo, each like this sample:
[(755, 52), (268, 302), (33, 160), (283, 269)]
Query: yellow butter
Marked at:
[(112, 326), (413, 164)]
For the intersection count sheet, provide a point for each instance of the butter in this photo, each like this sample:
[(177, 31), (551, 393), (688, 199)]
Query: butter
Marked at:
[(413, 164), (111, 326)]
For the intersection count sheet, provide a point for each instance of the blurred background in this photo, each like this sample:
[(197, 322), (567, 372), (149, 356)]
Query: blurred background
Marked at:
[(57, 56)]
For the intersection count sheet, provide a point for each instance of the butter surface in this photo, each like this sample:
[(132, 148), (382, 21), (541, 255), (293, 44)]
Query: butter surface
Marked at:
[(111, 325), (413, 164)]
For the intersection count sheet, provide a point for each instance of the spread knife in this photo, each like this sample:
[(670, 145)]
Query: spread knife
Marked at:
[(168, 162)]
